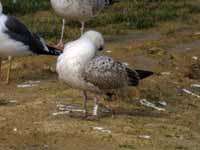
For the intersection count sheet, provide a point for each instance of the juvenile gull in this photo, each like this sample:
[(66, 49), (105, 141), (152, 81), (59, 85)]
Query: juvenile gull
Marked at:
[(17, 40), (82, 68), (77, 10)]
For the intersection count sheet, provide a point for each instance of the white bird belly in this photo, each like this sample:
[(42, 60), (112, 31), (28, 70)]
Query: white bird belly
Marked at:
[(9, 47), (69, 71)]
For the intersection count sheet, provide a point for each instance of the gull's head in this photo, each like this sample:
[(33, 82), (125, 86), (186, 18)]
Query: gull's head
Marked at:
[(96, 38)]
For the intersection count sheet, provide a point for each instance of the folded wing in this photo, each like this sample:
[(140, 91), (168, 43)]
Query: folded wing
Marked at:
[(107, 74)]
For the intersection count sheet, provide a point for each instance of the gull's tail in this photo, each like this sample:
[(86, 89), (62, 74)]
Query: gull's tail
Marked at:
[(144, 73), (135, 75)]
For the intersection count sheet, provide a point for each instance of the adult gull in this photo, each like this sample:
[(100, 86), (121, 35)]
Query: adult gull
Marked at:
[(77, 10), (81, 67), (17, 40)]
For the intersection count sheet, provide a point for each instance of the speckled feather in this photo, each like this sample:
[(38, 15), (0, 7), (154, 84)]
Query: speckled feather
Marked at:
[(106, 74)]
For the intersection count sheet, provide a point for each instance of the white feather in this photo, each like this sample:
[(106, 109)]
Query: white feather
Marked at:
[(95, 37), (76, 55), (71, 63)]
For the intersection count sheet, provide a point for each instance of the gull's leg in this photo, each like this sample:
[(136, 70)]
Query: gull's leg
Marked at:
[(94, 115), (61, 43), (9, 69), (70, 108), (96, 106), (82, 27), (63, 30), (85, 103)]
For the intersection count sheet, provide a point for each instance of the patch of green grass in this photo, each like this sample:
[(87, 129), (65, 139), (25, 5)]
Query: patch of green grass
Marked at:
[(132, 13), (24, 6), (146, 13), (114, 19)]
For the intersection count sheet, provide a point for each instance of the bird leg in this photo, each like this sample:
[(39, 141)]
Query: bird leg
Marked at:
[(94, 115), (9, 69), (96, 106), (85, 102), (82, 27), (61, 43)]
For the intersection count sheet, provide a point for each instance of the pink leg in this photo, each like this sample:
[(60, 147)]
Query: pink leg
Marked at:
[(85, 102), (82, 27), (95, 109), (94, 115), (61, 43), (96, 106)]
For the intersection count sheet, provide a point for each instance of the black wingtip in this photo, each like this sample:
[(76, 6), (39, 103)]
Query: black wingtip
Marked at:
[(45, 49), (132, 77), (54, 51), (144, 73)]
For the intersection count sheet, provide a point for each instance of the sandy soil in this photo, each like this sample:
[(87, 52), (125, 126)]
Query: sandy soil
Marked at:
[(26, 113)]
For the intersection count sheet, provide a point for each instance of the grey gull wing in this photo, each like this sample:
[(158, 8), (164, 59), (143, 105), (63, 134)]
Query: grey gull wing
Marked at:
[(107, 74)]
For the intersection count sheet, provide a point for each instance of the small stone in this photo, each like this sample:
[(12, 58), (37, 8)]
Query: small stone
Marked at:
[(145, 137), (126, 64), (15, 129), (195, 85), (188, 48), (165, 73), (197, 33), (163, 103), (194, 57), (108, 51)]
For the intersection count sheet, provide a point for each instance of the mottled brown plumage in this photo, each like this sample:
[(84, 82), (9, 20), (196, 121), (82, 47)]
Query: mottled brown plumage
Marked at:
[(107, 74)]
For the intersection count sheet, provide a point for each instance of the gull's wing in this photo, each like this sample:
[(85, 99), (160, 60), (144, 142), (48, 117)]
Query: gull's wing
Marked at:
[(105, 73), (19, 32)]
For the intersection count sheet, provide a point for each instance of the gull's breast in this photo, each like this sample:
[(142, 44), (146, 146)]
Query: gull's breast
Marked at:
[(10, 47)]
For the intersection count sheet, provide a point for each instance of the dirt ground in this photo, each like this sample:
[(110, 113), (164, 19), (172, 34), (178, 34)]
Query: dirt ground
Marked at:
[(26, 113)]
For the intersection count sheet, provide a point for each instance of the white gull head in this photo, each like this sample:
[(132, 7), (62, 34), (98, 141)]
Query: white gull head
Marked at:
[(96, 38)]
